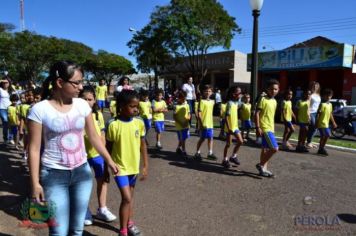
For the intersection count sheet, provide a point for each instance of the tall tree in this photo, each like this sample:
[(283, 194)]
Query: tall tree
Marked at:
[(186, 30)]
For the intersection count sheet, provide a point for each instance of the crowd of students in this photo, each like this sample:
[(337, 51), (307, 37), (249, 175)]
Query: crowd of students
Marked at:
[(64, 136)]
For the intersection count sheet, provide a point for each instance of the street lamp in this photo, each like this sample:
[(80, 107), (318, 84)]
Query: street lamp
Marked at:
[(256, 6)]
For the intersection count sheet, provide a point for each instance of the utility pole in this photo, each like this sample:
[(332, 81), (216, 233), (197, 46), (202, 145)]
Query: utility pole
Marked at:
[(22, 18)]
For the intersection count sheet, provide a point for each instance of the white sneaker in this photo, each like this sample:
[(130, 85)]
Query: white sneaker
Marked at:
[(88, 218), (105, 215)]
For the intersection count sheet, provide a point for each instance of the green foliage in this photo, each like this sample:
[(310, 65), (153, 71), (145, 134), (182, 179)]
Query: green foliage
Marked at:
[(27, 56), (183, 31)]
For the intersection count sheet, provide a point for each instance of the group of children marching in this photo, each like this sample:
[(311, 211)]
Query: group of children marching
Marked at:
[(238, 107), (126, 147)]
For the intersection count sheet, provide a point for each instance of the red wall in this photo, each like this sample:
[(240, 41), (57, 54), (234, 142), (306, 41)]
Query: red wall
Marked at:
[(349, 82)]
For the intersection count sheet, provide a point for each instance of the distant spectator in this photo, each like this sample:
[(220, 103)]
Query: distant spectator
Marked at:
[(315, 101), (189, 88), (124, 84)]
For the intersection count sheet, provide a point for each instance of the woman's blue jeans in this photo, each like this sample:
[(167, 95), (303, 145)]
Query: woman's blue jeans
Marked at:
[(69, 191), (312, 127), (5, 124)]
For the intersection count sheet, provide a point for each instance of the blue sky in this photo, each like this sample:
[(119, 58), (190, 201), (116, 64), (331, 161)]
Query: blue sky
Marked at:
[(104, 24)]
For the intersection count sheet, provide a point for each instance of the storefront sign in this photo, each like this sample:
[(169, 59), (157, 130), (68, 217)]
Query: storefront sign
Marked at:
[(308, 57)]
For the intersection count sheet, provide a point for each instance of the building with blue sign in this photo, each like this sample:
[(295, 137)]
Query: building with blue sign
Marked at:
[(318, 59)]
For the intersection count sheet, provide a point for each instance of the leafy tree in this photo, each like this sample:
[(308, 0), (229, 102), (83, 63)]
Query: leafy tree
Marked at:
[(186, 30), (108, 66)]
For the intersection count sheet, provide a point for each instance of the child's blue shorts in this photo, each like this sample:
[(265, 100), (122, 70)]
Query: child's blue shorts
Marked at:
[(207, 133), (97, 163), (148, 123), (159, 126), (183, 134), (247, 124), (125, 180), (269, 140), (101, 103), (325, 132)]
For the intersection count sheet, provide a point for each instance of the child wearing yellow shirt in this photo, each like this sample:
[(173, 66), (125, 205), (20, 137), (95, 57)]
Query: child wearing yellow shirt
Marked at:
[(25, 108), (13, 119), (324, 116), (96, 161), (205, 118), (303, 119), (181, 117), (145, 109), (264, 118), (245, 112), (101, 94), (286, 117), (159, 107), (126, 143), (232, 127)]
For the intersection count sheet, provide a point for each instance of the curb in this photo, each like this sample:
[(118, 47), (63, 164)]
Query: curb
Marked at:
[(343, 149)]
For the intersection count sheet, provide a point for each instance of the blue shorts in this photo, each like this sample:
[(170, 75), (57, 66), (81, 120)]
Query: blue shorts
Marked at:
[(97, 163), (246, 124), (289, 124), (159, 126), (101, 103), (125, 180), (303, 125), (207, 133), (148, 123), (183, 134), (325, 132), (13, 130), (269, 140)]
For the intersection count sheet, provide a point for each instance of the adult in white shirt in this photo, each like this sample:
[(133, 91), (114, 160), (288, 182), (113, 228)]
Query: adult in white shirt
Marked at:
[(189, 88), (5, 91), (60, 173), (315, 101)]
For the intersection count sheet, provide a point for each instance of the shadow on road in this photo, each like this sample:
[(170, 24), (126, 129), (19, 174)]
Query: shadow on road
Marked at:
[(348, 218), (14, 181), (206, 166)]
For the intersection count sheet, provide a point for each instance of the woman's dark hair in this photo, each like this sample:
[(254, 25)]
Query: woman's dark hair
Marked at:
[(61, 69), (10, 89), (124, 98), (230, 92), (121, 81), (90, 89)]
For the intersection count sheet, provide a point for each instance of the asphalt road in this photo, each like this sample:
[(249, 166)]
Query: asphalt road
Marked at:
[(310, 195)]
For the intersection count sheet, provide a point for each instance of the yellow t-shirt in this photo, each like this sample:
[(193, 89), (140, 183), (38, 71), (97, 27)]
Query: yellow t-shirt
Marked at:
[(303, 108), (287, 110), (99, 126), (196, 104), (113, 107), (181, 112), (231, 116), (267, 106), (126, 138), (245, 111), (100, 92), (325, 111), (24, 110), (145, 109), (223, 111), (158, 116), (206, 109), (13, 115)]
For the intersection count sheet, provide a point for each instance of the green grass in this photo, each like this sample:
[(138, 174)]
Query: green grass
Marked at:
[(331, 141)]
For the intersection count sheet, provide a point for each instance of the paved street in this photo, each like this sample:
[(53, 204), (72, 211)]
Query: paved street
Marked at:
[(188, 198)]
